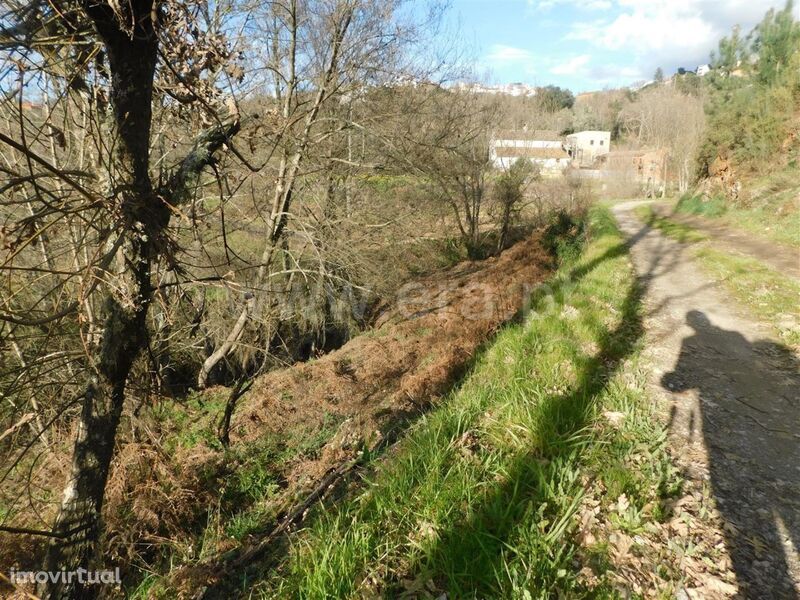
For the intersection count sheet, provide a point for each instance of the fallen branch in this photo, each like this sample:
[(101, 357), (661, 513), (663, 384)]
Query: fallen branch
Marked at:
[(25, 419), (296, 514), (26, 531)]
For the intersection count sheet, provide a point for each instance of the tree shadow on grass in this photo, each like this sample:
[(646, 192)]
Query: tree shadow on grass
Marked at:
[(468, 559), (565, 415), (470, 555)]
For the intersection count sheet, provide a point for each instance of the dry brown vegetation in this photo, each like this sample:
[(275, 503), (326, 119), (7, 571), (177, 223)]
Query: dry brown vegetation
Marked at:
[(379, 382), (193, 195), (196, 196), (346, 403)]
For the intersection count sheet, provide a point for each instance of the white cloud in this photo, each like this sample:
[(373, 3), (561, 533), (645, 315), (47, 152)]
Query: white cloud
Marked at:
[(544, 5), (600, 74), (675, 30), (626, 40), (573, 66), (609, 74), (504, 55)]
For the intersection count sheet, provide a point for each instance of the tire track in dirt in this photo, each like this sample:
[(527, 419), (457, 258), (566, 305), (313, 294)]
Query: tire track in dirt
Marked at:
[(781, 257), (733, 397)]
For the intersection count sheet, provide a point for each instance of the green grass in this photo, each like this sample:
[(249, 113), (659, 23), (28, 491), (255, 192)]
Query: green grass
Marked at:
[(769, 209), (249, 495), (249, 485), (766, 292), (191, 422), (387, 183), (696, 205), (768, 224), (481, 497), (677, 231), (6, 512)]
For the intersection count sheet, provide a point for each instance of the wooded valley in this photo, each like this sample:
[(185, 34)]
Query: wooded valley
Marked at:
[(273, 320)]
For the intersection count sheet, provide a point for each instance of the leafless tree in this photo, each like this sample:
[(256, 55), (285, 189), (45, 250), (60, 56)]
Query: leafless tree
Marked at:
[(509, 192), (88, 245), (322, 63), (663, 118), (447, 145), (127, 172)]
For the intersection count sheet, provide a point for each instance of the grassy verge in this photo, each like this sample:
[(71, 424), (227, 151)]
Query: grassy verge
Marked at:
[(678, 231), (488, 495), (767, 293), (769, 208)]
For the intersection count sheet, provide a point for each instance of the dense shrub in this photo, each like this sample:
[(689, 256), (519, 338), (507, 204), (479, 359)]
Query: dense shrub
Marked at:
[(754, 95)]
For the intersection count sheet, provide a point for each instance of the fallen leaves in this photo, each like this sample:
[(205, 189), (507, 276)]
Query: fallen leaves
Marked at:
[(682, 555), (614, 418)]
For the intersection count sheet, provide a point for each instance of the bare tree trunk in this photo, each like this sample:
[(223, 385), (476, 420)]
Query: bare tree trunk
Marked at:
[(288, 172), (223, 350), (144, 216), (224, 429), (504, 226)]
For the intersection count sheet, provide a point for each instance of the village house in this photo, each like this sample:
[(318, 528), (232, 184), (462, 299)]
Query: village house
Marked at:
[(585, 147), (543, 148), (510, 89), (644, 167), (702, 70)]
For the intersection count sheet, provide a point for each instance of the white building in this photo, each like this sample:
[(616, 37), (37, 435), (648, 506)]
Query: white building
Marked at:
[(543, 148), (584, 147), (519, 89), (511, 89)]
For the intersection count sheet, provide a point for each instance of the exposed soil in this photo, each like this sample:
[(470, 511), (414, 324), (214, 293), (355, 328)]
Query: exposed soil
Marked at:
[(415, 351), (733, 398), (782, 257), (376, 383)]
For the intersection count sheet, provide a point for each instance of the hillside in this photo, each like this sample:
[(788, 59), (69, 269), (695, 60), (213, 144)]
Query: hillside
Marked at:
[(294, 303)]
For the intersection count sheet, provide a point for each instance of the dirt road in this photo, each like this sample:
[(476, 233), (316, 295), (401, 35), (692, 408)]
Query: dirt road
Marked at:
[(733, 396), (781, 257)]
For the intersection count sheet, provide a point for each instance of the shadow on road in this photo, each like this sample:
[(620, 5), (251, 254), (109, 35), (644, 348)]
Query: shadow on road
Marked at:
[(749, 419)]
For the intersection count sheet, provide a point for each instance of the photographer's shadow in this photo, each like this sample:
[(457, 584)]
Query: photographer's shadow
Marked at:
[(749, 420)]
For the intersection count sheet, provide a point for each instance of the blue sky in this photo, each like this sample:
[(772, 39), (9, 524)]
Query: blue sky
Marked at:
[(593, 44)]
